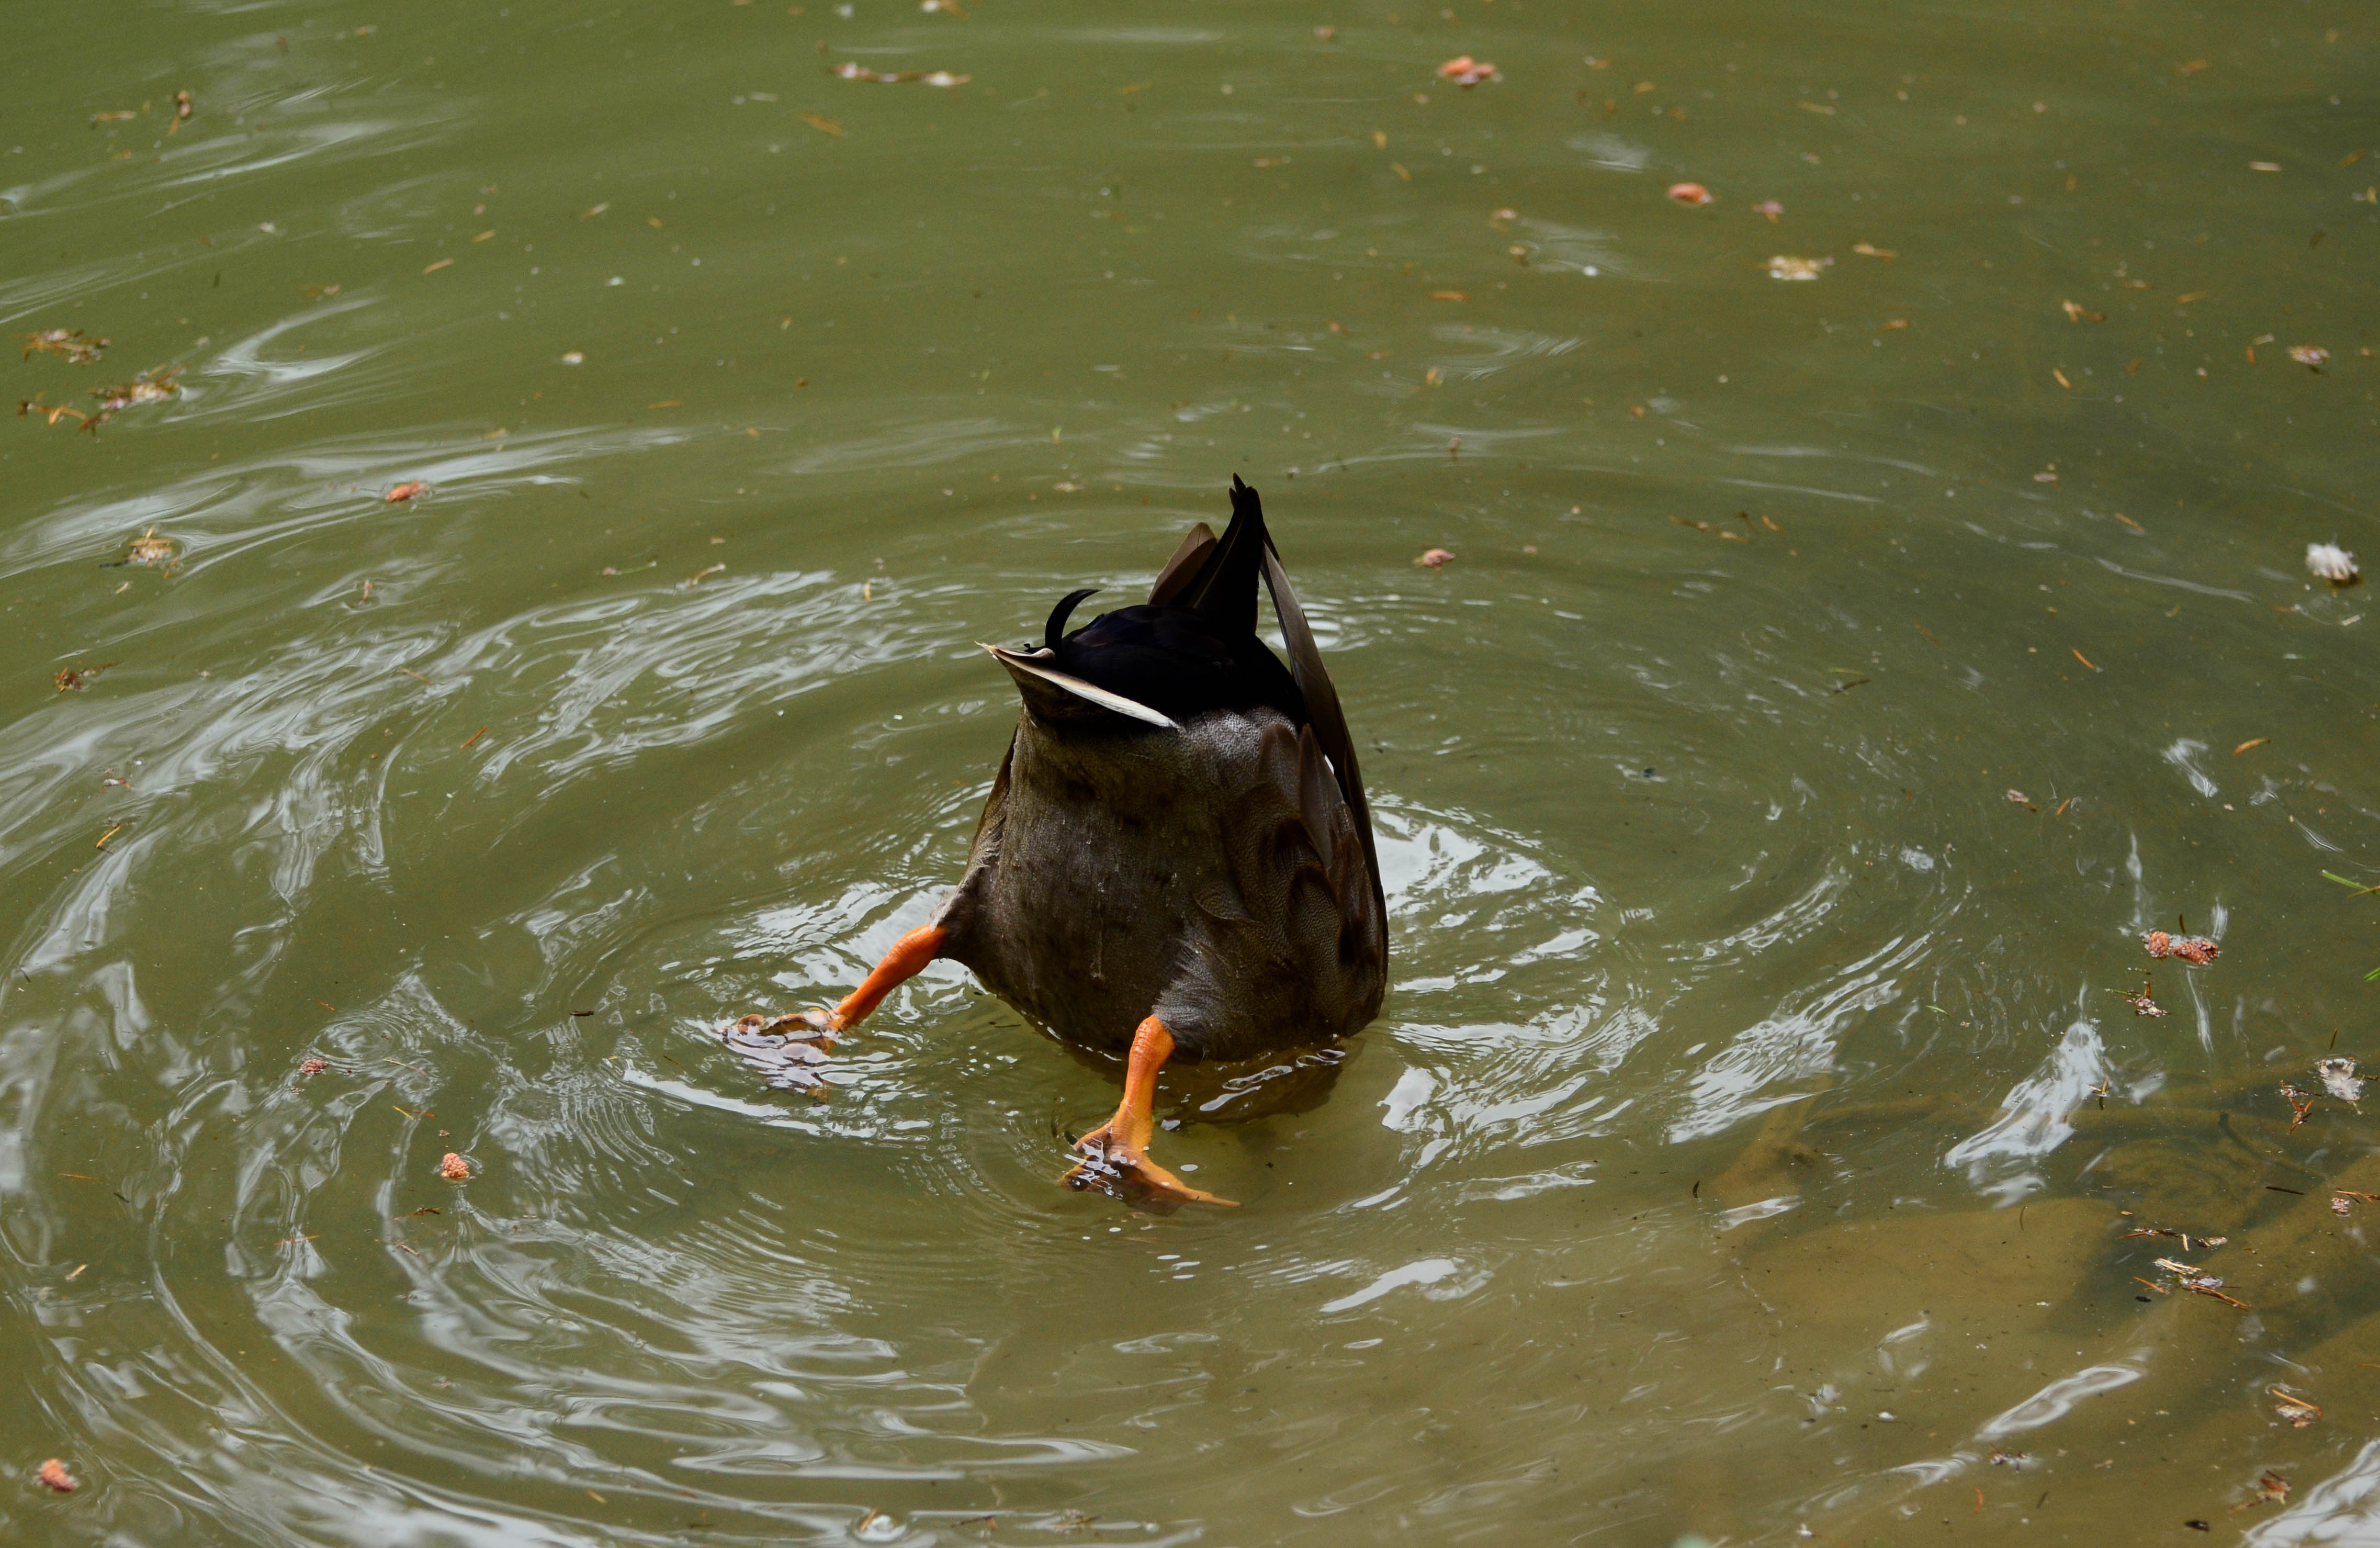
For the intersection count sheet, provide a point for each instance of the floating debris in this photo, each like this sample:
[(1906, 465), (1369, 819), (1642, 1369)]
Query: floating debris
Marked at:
[(2196, 950), (2296, 1410), (313, 1066), (2142, 1004), (148, 549), (182, 108), (149, 386), (2188, 1277), (71, 679), (1690, 193), (2271, 1489), (2077, 312), (2333, 564), (1787, 266), (2310, 355), (2299, 1103), (849, 70), (1770, 207), (1707, 527), (2182, 1236), (2191, 1277), (412, 489), (1467, 72), (2338, 1078), (1869, 249), (2020, 798), (2008, 1458), (53, 412), (786, 1051), (79, 347), (454, 1168), (55, 1477), (1433, 558)]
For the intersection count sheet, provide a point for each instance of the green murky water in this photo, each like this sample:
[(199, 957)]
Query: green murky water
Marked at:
[(1743, 1143)]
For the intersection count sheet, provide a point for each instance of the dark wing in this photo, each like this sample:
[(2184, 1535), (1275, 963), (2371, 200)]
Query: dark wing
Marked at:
[(1180, 569), (1327, 720), (1306, 889)]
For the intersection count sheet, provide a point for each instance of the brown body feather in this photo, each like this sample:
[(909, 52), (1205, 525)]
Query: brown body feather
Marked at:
[(1212, 876)]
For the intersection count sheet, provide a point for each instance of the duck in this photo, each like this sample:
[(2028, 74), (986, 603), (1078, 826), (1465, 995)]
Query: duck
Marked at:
[(1176, 862)]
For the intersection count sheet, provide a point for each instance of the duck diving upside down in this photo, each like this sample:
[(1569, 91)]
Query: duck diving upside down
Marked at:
[(1176, 860)]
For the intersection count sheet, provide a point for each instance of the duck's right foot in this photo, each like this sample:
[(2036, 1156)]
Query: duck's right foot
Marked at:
[(1124, 1172), (1115, 1155)]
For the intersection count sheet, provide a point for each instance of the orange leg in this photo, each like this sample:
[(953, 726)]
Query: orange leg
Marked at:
[(1120, 1145), (903, 962)]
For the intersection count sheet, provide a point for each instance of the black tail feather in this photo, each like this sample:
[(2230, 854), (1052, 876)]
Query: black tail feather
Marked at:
[(1224, 589), (1055, 629)]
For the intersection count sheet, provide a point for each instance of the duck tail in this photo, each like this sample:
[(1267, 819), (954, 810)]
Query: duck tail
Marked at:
[(1224, 589)]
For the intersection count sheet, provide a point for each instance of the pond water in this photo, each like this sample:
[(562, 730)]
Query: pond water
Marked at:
[(1835, 677)]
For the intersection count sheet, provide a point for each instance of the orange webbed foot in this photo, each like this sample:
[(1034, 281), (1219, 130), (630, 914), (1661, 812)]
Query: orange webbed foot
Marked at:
[(1124, 1171), (786, 1051), (1115, 1155)]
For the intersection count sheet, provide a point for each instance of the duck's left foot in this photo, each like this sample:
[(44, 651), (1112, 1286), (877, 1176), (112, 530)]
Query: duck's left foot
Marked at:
[(787, 1051)]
